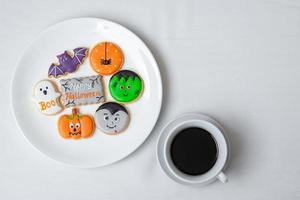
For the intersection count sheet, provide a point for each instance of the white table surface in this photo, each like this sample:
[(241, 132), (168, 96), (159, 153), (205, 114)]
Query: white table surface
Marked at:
[(237, 61)]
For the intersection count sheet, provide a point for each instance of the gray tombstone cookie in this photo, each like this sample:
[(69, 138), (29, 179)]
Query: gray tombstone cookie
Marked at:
[(112, 118), (82, 91)]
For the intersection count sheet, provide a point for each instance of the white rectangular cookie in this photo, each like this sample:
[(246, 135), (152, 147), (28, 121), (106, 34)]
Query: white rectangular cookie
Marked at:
[(82, 91)]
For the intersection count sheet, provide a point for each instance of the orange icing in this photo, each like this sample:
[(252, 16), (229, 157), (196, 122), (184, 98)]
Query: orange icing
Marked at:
[(46, 104), (76, 126), (80, 95), (106, 58)]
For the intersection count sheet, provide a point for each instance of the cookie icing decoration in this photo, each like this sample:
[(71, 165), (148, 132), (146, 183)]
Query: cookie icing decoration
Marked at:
[(125, 86), (68, 64), (46, 96), (112, 118), (106, 58), (75, 125), (82, 91)]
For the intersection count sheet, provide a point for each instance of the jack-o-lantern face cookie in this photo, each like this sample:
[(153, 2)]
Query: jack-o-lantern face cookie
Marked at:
[(75, 126), (106, 58), (125, 86), (112, 118), (46, 96)]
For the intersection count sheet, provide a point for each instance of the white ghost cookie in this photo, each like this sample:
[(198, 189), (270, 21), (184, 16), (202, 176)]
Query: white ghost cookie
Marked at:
[(46, 97), (112, 118)]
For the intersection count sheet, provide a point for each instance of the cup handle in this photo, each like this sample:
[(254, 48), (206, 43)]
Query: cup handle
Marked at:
[(222, 177)]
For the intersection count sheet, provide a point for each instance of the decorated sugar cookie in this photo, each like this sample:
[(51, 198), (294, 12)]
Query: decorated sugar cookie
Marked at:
[(106, 58), (112, 118), (76, 126), (125, 86), (67, 64), (46, 97), (82, 91)]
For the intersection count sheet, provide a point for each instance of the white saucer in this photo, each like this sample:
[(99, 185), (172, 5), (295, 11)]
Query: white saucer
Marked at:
[(164, 137), (41, 130)]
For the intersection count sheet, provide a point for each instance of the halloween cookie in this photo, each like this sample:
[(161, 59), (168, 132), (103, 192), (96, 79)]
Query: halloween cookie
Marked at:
[(125, 86), (112, 118), (82, 91), (106, 58), (46, 97), (67, 64), (76, 126)]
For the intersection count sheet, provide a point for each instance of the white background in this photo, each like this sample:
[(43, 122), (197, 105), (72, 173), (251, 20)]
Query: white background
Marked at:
[(237, 61)]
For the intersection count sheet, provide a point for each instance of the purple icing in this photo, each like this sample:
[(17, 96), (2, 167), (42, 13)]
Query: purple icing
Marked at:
[(68, 64), (55, 70)]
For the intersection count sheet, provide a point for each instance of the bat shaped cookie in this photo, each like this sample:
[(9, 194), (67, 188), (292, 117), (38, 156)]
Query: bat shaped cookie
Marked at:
[(68, 64)]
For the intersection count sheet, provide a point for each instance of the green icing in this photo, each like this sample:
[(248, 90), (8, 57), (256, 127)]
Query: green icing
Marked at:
[(125, 90), (71, 117)]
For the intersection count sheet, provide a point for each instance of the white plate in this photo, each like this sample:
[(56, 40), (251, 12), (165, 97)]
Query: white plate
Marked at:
[(41, 130)]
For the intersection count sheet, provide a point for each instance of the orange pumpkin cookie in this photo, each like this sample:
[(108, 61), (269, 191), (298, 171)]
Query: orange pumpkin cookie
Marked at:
[(76, 126), (106, 58)]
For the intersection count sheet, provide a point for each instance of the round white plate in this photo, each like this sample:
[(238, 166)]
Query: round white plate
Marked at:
[(41, 131)]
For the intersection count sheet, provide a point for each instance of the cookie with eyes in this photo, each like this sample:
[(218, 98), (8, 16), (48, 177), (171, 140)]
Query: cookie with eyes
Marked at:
[(46, 96), (75, 125), (112, 118), (125, 86)]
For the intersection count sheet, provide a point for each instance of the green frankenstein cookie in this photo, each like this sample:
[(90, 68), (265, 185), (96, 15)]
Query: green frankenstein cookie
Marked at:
[(125, 86)]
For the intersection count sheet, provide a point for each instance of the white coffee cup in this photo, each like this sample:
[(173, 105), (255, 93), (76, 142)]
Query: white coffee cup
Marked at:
[(187, 121)]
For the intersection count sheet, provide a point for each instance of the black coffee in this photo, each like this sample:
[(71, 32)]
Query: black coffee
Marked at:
[(194, 151)]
